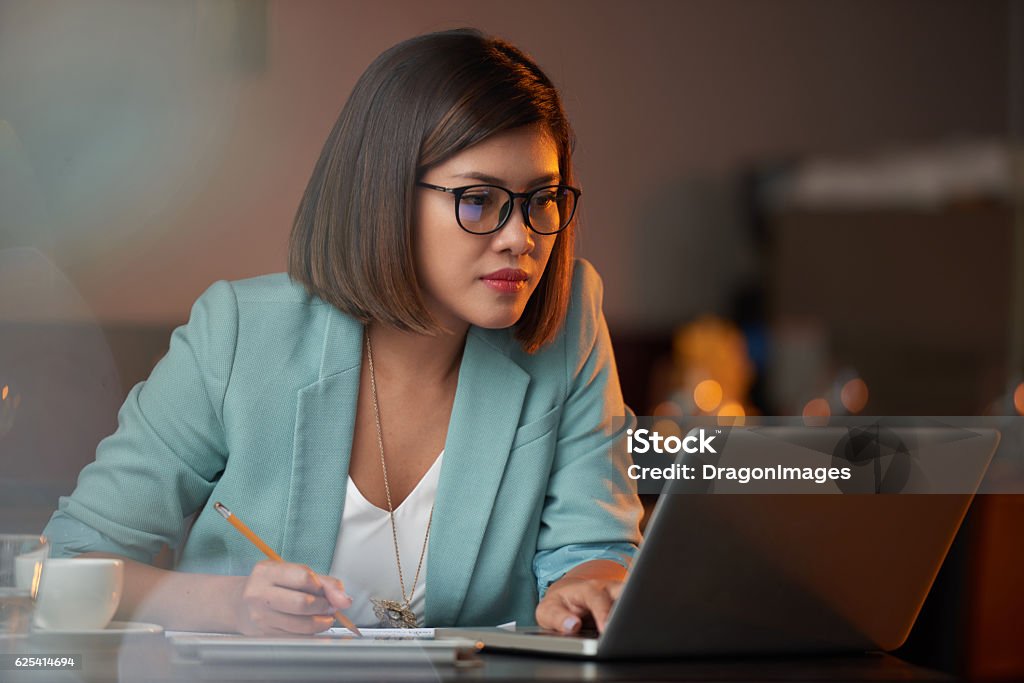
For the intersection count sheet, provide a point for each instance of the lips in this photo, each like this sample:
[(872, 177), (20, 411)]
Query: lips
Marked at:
[(507, 280), (508, 274)]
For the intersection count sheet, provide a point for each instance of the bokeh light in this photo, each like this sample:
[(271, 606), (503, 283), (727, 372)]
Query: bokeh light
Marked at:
[(854, 395), (668, 428), (668, 409), (732, 414), (707, 395), (817, 412)]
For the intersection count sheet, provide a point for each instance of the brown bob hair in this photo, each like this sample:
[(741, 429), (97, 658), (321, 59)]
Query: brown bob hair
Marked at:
[(417, 105)]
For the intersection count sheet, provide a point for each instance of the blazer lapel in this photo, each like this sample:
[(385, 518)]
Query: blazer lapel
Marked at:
[(324, 424), (485, 415)]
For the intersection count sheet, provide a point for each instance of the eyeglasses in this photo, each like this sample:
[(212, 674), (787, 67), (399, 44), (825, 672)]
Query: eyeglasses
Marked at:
[(483, 209)]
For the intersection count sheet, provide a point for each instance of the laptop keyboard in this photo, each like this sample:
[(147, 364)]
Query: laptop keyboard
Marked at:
[(582, 633)]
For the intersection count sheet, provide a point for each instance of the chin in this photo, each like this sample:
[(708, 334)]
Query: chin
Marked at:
[(496, 320)]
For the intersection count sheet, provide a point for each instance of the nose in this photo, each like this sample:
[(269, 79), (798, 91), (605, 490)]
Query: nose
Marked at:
[(515, 236)]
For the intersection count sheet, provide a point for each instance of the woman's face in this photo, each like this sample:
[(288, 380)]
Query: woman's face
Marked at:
[(460, 272)]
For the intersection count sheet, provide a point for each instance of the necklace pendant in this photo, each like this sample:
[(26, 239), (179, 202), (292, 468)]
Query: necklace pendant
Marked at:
[(393, 614)]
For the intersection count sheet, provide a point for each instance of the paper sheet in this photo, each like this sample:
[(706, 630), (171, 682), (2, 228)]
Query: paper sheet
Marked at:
[(340, 632), (383, 633)]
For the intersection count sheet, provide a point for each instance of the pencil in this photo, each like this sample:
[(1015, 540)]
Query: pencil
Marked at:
[(234, 521)]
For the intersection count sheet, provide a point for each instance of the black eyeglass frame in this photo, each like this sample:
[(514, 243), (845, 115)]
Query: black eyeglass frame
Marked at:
[(523, 206)]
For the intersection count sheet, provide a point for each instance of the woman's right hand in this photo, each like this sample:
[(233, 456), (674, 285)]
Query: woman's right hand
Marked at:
[(283, 597)]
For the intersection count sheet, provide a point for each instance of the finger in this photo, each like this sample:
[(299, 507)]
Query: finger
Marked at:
[(554, 614), (332, 580), (294, 576), (597, 600), (291, 623), (615, 589), (289, 601), (334, 592), (264, 629)]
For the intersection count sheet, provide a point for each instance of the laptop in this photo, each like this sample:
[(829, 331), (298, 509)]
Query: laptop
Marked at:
[(785, 573)]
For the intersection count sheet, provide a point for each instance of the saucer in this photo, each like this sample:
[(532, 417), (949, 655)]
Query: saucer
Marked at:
[(114, 628), (113, 636)]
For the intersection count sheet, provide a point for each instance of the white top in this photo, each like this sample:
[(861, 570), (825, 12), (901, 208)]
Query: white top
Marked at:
[(364, 558)]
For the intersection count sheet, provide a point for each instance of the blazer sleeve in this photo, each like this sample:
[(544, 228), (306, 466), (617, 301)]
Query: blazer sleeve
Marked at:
[(591, 510), (161, 464)]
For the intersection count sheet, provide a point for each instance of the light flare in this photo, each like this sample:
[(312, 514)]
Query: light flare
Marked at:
[(854, 395), (817, 412), (707, 395), (732, 414)]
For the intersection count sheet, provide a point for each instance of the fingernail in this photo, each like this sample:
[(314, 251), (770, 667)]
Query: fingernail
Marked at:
[(570, 624)]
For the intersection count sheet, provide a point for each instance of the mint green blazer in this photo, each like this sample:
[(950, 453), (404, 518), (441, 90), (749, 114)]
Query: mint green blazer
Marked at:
[(254, 406)]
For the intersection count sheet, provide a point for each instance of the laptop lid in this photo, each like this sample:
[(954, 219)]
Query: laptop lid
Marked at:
[(729, 573)]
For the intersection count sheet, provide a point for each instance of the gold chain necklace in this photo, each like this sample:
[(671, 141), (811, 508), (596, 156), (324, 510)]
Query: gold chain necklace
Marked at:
[(393, 613)]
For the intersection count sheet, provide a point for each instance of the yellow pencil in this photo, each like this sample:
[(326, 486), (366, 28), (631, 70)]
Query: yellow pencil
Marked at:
[(234, 521)]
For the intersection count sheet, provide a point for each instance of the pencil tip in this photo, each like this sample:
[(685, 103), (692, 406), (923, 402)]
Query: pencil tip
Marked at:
[(224, 512)]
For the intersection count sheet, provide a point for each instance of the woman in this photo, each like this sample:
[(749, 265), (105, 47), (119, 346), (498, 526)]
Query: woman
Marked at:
[(423, 406)]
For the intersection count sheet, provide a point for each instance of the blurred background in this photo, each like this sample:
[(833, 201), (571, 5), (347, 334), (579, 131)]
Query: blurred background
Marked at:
[(797, 208)]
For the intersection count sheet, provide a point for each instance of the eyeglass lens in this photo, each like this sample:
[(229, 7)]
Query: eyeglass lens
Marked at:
[(484, 208)]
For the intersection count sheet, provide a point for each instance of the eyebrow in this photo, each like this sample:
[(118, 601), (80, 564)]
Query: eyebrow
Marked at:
[(475, 175)]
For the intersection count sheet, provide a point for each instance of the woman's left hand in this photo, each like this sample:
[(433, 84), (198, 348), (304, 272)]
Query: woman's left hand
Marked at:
[(587, 592)]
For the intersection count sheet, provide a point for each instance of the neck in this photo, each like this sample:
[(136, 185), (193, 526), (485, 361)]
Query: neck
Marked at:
[(407, 356)]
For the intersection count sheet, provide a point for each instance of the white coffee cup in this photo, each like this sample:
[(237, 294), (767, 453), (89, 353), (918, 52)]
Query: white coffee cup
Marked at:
[(28, 570), (78, 594)]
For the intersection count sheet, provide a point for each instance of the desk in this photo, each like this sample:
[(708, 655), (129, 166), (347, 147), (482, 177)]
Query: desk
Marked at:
[(148, 659)]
